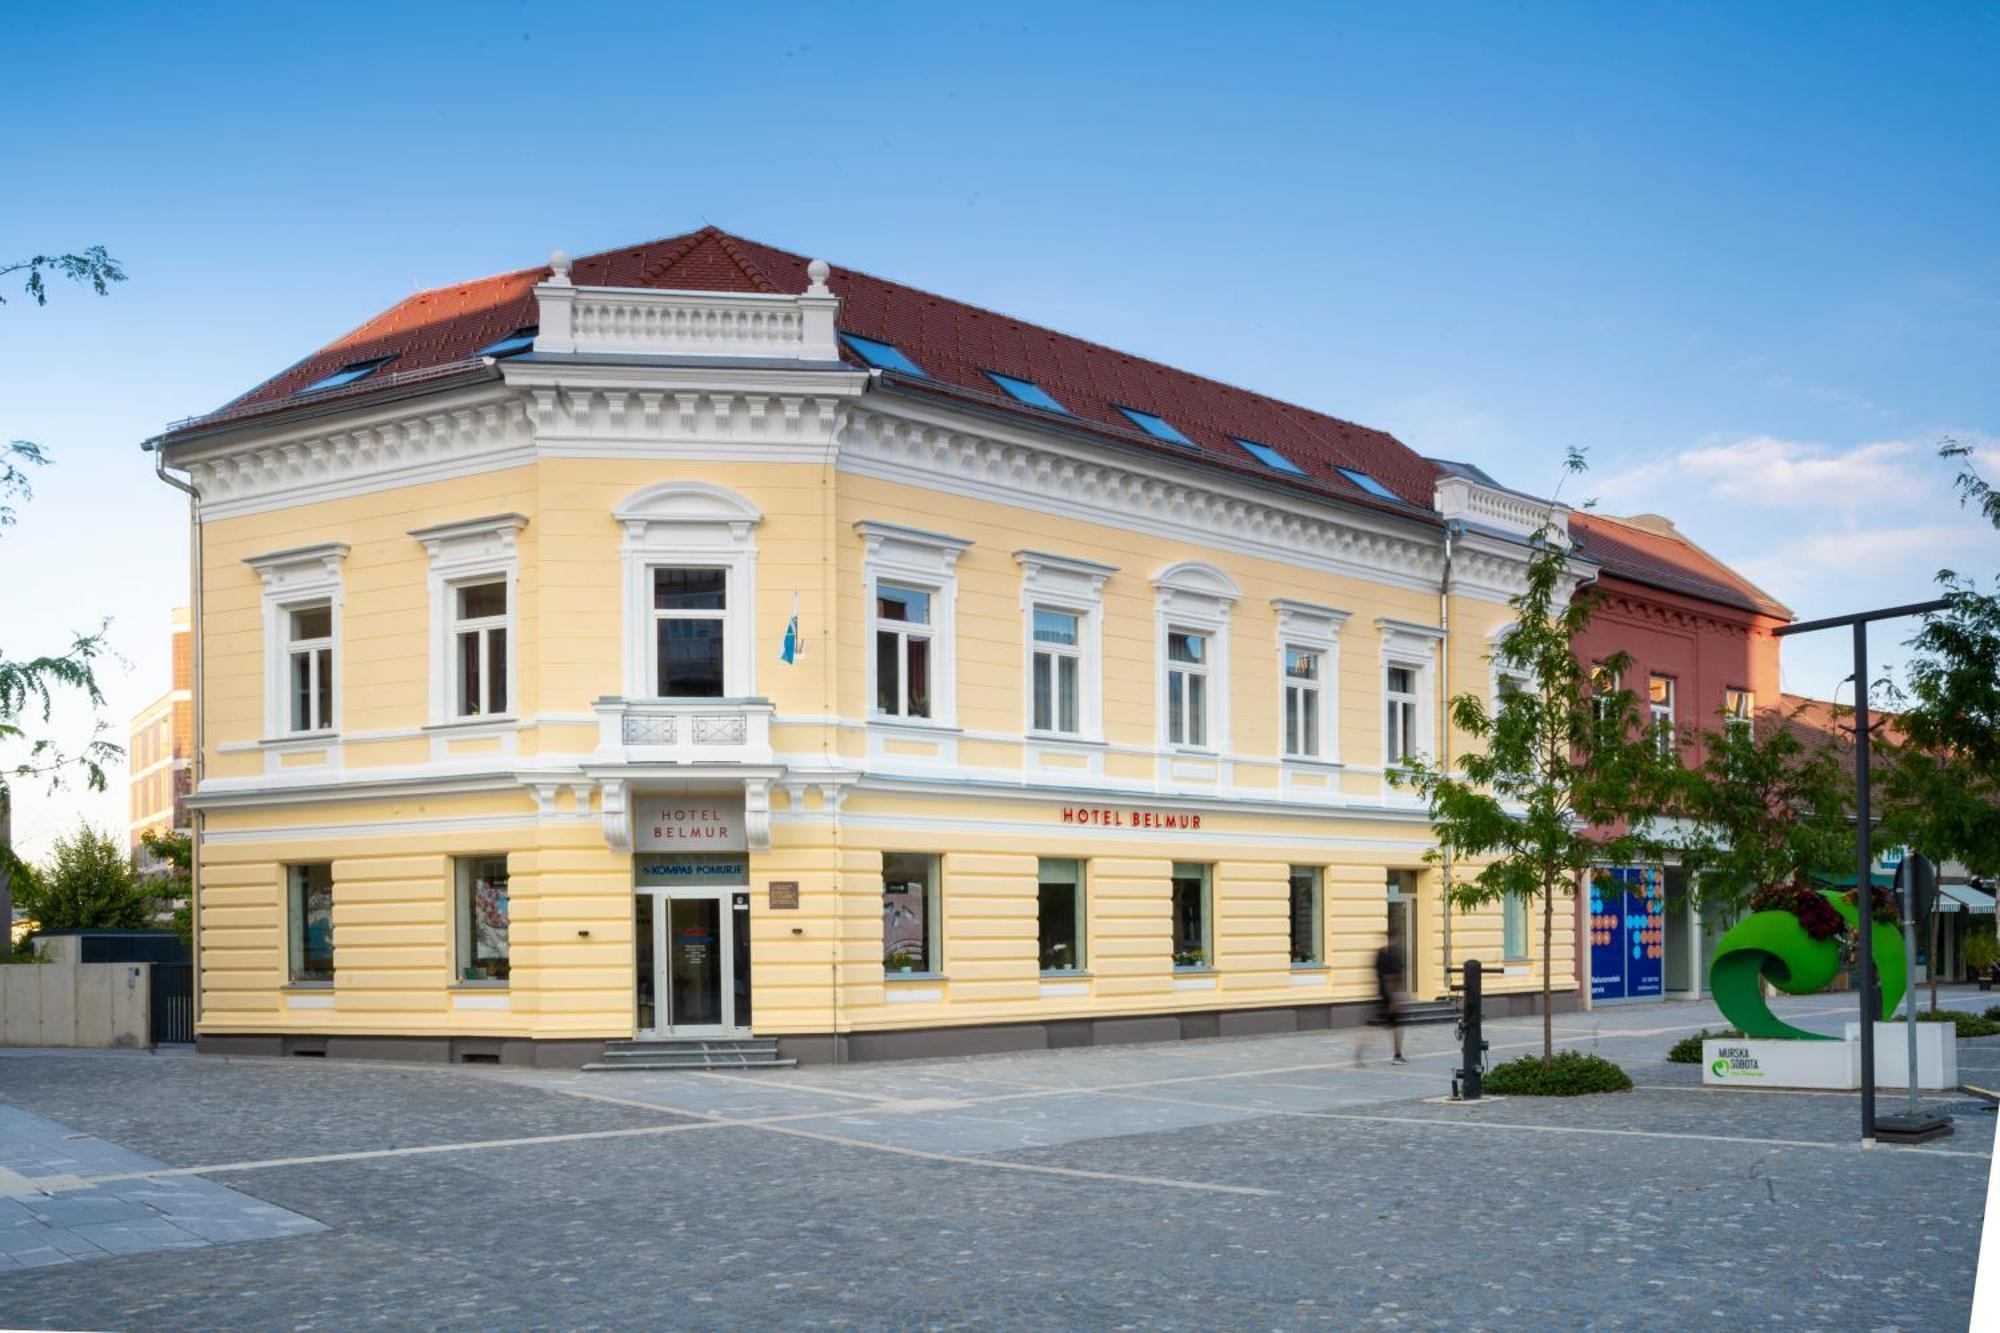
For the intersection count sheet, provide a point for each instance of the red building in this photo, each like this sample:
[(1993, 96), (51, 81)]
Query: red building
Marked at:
[(1698, 636)]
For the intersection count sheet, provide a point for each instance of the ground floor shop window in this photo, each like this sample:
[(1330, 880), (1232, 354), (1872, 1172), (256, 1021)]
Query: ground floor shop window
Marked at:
[(1192, 947), (909, 913), (1059, 915), (1306, 915), (1516, 926), (482, 918), (309, 893)]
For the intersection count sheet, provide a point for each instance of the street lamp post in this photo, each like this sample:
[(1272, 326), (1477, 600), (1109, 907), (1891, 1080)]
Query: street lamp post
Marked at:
[(1864, 884)]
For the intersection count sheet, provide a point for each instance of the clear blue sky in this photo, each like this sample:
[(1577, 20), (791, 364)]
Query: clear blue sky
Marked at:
[(1749, 256)]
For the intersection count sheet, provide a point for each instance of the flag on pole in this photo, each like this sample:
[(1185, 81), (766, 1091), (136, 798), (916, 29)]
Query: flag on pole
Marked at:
[(790, 652)]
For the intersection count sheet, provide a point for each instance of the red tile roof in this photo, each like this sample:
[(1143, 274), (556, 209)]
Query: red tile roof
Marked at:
[(1649, 550), (955, 344)]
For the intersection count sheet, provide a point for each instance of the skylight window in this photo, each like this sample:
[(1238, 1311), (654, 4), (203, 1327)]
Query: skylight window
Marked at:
[(1369, 484), (881, 355), (347, 374), (1029, 392), (1269, 457), (519, 341), (1156, 427)]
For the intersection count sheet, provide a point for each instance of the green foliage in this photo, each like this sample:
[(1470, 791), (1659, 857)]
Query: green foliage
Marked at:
[(88, 882), (1761, 809), (1565, 778), (1968, 1025), (175, 849), (1982, 950), (1992, 1014), (95, 268), (1687, 1051), (1567, 1074)]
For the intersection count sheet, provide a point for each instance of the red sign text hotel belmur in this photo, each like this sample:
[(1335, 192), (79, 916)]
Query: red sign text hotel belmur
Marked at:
[(1104, 817)]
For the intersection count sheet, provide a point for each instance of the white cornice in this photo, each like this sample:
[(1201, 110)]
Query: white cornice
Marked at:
[(924, 447)]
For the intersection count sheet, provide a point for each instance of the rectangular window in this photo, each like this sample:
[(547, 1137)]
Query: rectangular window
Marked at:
[(1660, 699), (1187, 688), (309, 669), (690, 614), (1401, 691), (1603, 684), (1059, 915), (479, 646), (1302, 678), (1306, 918), (1738, 707), (1515, 925), (1191, 915), (1057, 671), (309, 910), (482, 918), (910, 913), (903, 634)]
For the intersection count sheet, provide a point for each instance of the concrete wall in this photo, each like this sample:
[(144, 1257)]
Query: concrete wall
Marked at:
[(62, 1002)]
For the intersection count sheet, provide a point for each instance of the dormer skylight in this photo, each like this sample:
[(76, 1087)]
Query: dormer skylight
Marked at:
[(1156, 427), (1369, 484), (881, 355), (1029, 392), (347, 374), (519, 341), (1269, 457)]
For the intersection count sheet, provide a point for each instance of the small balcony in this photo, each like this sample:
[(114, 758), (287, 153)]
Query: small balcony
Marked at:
[(684, 731)]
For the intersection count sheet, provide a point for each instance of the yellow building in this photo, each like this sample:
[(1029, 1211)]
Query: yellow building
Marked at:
[(693, 642), (161, 749)]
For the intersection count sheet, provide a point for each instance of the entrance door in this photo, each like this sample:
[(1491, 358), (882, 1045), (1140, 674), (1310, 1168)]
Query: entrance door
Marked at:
[(693, 959), (1402, 925)]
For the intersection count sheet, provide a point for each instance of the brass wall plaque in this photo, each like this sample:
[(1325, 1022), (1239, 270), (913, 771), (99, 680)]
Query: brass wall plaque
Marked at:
[(784, 894)]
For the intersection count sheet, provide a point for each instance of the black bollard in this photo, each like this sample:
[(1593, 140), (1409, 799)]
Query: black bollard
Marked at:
[(1472, 1053)]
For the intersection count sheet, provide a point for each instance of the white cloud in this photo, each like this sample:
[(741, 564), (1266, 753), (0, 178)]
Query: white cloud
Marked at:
[(1764, 471)]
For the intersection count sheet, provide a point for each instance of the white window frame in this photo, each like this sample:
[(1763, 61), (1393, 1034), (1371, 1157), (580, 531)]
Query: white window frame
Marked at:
[(1745, 720), (1315, 629), (1318, 874), (934, 963), (1072, 587), (1513, 928), (296, 579), (1192, 715), (927, 562), (465, 554), (1081, 962), (1207, 963), (1657, 712), (1412, 646), (1194, 598), (690, 525)]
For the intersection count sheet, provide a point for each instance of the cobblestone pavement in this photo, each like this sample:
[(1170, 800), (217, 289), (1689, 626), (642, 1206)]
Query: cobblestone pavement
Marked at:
[(1269, 1183)]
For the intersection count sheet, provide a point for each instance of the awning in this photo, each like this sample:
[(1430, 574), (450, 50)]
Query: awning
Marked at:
[(1969, 898)]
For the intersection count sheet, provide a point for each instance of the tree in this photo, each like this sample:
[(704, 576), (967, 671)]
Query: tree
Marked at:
[(88, 882), (1942, 783), (1763, 808), (25, 684), (1567, 779), (175, 849)]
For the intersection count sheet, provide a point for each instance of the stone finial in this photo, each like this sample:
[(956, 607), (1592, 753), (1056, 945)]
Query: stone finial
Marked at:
[(559, 268), (817, 271)]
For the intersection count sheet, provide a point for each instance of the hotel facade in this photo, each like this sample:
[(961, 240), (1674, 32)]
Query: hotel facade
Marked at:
[(694, 642)]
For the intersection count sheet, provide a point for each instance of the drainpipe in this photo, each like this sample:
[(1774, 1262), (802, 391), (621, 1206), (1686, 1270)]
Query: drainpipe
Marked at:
[(1444, 727), (194, 644)]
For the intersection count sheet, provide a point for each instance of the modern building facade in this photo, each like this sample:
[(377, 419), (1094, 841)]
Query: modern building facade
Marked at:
[(1701, 655), (693, 640), (161, 749)]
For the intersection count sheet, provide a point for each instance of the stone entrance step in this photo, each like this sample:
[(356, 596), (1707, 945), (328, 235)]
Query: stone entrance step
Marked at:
[(692, 1053), (1429, 1011)]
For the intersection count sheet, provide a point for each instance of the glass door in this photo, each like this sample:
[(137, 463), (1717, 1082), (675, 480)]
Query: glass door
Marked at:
[(692, 955), (1402, 925)]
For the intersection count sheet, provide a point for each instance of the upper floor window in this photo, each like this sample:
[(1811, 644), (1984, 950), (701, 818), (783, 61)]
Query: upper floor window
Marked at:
[(479, 645), (1057, 671), (1400, 691), (902, 651), (1302, 682), (1603, 685), (1738, 707), (690, 614), (309, 658), (912, 590), (1660, 703), (1187, 688), (301, 605)]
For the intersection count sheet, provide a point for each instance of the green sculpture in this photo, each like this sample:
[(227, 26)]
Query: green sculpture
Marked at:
[(1777, 946)]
